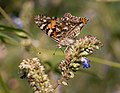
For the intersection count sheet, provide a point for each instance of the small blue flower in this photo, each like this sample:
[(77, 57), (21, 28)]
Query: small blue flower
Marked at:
[(18, 21), (85, 62)]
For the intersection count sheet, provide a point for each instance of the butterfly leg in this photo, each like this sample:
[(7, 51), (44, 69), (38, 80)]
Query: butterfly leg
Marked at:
[(66, 49), (55, 51)]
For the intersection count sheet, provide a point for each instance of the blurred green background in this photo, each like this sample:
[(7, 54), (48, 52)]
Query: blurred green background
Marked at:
[(20, 38)]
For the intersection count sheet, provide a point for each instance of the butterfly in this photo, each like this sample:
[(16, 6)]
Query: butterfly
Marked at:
[(62, 30)]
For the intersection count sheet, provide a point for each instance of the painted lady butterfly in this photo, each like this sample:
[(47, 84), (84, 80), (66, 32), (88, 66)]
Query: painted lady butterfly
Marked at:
[(63, 30)]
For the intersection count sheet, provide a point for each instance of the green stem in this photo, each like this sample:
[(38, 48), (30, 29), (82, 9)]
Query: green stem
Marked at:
[(94, 59), (106, 62), (6, 16), (3, 85), (59, 82)]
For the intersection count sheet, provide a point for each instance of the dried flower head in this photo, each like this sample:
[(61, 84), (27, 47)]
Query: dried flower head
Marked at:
[(84, 46), (75, 55), (33, 71)]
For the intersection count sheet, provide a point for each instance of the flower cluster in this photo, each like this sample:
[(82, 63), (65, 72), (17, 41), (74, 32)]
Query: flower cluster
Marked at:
[(33, 71), (75, 55)]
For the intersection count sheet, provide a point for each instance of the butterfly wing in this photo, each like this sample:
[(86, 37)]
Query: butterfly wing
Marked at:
[(61, 29), (57, 28), (77, 29), (48, 25), (70, 26), (76, 24)]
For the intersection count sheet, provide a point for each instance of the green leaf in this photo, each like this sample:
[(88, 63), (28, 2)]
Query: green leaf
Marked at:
[(7, 39), (3, 85), (19, 32)]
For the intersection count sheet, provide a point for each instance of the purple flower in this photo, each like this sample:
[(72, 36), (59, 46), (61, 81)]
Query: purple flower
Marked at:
[(85, 62), (18, 22)]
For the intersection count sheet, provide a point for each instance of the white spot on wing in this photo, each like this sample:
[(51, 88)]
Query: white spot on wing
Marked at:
[(81, 24), (65, 28), (42, 26), (36, 22), (44, 20), (49, 32)]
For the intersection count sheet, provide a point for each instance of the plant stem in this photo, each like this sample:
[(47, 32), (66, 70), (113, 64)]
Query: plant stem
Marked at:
[(6, 16), (3, 85), (59, 82), (106, 62)]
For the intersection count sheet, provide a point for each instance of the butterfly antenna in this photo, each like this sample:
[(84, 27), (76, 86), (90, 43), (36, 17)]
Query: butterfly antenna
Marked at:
[(62, 50), (55, 50)]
